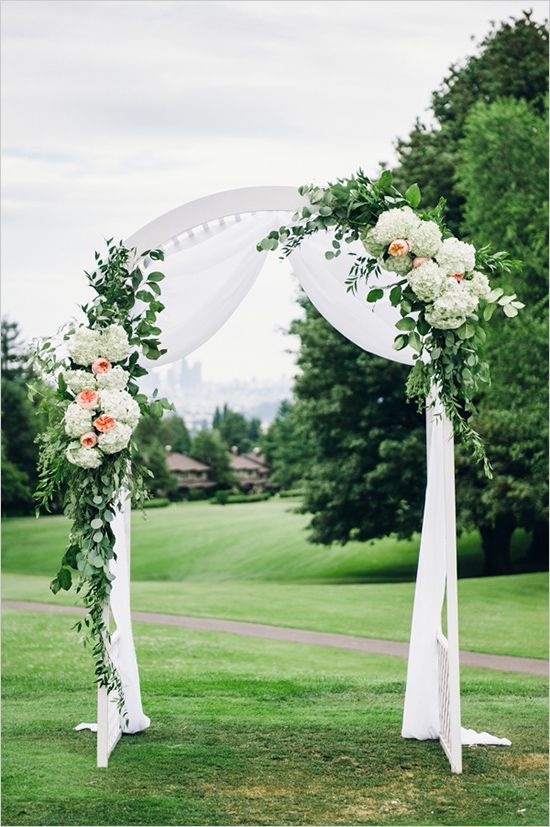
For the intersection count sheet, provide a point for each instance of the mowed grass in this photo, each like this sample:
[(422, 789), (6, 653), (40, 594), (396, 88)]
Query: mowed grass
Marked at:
[(498, 615), (254, 732), (253, 541)]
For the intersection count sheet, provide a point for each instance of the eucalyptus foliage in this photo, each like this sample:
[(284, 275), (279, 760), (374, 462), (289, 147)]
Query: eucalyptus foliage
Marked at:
[(127, 293), (448, 361)]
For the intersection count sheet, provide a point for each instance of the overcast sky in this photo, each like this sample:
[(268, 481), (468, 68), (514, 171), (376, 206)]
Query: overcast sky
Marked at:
[(117, 111)]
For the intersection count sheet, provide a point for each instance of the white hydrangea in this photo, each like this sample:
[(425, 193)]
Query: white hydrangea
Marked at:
[(456, 256), (427, 281), (79, 380), (397, 264), (114, 343), (115, 440), (115, 379), (425, 240), (479, 285), (121, 406), (77, 420), (452, 308), (395, 223), (84, 457), (372, 244), (84, 346)]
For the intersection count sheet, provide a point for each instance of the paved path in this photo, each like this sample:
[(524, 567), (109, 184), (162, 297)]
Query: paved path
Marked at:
[(368, 645)]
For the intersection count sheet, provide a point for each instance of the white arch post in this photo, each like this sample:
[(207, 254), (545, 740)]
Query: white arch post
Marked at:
[(160, 233)]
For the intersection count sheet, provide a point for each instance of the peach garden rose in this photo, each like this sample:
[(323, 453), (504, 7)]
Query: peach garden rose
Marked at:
[(399, 247), (88, 440), (101, 365), (87, 399), (104, 423)]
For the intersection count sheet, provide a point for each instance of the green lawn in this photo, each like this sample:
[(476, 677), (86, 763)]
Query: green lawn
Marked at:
[(253, 732), (254, 541), (500, 615)]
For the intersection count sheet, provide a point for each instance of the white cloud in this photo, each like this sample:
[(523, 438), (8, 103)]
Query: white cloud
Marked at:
[(114, 112)]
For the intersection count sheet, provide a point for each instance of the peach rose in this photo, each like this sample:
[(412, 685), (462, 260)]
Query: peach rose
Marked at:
[(87, 399), (101, 365), (457, 276), (420, 260), (399, 247), (88, 440), (104, 423)]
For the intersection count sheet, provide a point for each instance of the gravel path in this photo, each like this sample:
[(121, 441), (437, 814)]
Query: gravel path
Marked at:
[(371, 646)]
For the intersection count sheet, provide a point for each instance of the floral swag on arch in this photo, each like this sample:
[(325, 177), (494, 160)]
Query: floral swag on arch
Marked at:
[(88, 458), (442, 287)]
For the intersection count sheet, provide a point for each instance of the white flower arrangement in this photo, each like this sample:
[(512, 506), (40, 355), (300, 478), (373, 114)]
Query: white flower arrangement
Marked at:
[(397, 264), (479, 285), (84, 346), (456, 257), (115, 440), (115, 379), (425, 239), (79, 380), (84, 457), (451, 309), (114, 343), (427, 281), (399, 222), (78, 421), (121, 406)]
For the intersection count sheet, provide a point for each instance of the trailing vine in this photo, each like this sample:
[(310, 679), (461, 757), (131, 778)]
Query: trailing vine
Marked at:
[(88, 459), (441, 290)]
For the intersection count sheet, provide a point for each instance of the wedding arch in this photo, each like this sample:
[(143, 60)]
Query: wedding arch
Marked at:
[(415, 279), (210, 264)]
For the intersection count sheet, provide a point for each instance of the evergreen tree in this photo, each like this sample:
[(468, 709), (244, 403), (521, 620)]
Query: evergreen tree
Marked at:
[(286, 447), (236, 430), (173, 432), (209, 447)]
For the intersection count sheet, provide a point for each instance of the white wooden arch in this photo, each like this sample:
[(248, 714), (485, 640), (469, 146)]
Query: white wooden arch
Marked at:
[(217, 208)]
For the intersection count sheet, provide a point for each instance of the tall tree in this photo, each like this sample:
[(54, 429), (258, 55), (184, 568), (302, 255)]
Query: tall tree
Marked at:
[(511, 61), (503, 179), (286, 446), (236, 430), (173, 432), (149, 436), (366, 474), (209, 447)]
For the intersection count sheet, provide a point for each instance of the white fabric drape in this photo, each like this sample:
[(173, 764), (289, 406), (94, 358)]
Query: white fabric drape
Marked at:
[(208, 273)]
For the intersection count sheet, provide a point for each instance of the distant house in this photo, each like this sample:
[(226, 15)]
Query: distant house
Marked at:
[(250, 470), (189, 473)]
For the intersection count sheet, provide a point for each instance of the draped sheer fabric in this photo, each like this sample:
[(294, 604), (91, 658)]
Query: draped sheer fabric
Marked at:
[(208, 273)]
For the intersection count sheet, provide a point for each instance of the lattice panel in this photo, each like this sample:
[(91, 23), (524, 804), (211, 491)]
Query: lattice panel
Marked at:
[(109, 725), (445, 727)]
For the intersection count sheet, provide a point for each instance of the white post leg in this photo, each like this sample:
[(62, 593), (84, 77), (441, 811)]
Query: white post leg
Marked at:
[(455, 756), (103, 715)]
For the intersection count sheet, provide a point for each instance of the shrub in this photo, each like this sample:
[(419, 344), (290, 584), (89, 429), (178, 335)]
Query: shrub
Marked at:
[(291, 492), (224, 498), (157, 502)]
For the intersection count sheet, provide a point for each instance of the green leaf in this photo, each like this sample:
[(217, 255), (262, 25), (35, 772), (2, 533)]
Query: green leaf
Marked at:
[(64, 579), (55, 585), (406, 324), (385, 180), (415, 342), (329, 254), (510, 311), (375, 294), (98, 537), (413, 196), (395, 295), (488, 311), (97, 523), (156, 276), (400, 341)]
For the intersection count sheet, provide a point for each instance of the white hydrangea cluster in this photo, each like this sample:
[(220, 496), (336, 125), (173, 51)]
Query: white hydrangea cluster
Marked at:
[(372, 245), (79, 380), (114, 343), (456, 257), (84, 457), (115, 379), (427, 281), (425, 239), (398, 222), (479, 285), (397, 264), (452, 308), (121, 406), (115, 440), (84, 346), (77, 420)]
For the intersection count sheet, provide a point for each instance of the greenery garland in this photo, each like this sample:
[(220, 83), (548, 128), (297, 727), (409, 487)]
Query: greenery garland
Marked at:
[(88, 457), (442, 288)]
